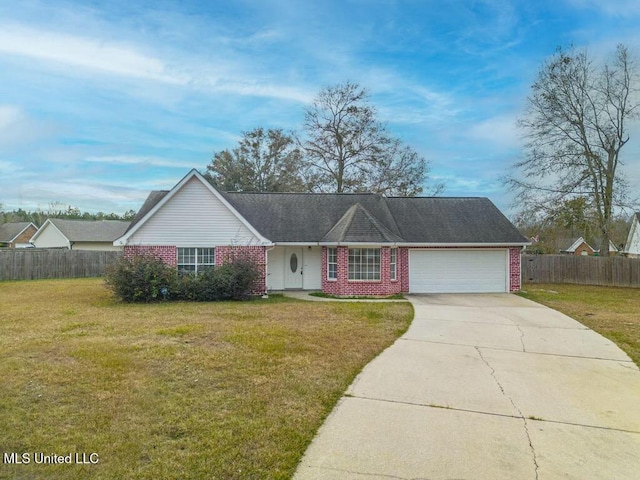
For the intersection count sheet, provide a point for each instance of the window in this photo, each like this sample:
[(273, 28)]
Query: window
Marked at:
[(332, 263), (364, 264), (393, 267), (195, 260)]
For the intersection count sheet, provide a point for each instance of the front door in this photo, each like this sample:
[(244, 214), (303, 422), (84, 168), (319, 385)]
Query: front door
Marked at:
[(293, 268)]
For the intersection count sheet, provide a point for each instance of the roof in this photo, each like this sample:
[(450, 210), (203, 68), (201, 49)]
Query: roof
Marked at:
[(359, 217), (9, 231), (358, 225), (576, 243), (309, 217), (89, 230)]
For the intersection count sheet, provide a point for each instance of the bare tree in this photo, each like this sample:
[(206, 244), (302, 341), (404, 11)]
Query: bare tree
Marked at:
[(575, 126), (351, 151)]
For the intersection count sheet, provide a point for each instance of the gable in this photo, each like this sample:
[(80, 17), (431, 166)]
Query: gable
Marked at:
[(633, 239), (192, 216), (48, 236)]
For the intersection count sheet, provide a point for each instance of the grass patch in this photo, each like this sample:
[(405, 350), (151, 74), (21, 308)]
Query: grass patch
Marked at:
[(613, 312), (228, 390), (397, 296)]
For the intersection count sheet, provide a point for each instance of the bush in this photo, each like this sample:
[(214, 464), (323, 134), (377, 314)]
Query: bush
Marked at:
[(142, 278), (146, 278)]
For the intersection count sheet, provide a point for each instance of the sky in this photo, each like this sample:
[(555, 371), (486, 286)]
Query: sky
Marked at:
[(102, 102)]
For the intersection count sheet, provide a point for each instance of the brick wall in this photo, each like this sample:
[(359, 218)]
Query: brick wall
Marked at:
[(254, 253), (343, 286), (167, 253), (25, 236), (514, 269)]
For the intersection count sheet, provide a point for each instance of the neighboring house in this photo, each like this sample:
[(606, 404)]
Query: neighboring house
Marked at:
[(579, 247), (632, 247), (613, 249), (16, 234), (342, 244), (79, 234)]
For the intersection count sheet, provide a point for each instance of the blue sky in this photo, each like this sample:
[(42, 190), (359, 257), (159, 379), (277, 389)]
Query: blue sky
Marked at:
[(101, 102)]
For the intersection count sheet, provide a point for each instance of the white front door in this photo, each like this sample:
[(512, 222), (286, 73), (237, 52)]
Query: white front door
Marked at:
[(293, 267)]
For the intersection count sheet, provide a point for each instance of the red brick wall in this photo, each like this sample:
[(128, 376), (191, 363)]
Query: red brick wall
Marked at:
[(256, 254), (515, 258), (25, 236), (344, 286), (167, 253)]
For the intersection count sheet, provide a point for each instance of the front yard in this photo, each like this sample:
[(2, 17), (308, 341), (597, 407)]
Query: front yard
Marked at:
[(613, 312), (175, 390)]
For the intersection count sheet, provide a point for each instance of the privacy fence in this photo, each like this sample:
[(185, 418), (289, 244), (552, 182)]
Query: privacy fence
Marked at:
[(606, 271), (35, 263)]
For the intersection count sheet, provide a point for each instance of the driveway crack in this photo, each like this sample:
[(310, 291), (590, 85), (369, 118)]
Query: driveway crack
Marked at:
[(520, 414), (521, 338)]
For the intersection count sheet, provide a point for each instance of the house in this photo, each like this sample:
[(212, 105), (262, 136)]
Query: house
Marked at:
[(342, 244), (579, 246), (632, 247), (79, 234), (16, 234)]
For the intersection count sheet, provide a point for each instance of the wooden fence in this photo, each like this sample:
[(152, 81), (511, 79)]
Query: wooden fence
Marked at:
[(35, 263), (584, 270)]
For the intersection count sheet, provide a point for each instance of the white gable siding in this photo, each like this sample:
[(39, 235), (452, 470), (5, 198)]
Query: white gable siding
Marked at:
[(633, 242), (193, 217), (50, 237)]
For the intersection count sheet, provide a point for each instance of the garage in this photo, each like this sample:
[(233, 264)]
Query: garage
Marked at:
[(458, 271)]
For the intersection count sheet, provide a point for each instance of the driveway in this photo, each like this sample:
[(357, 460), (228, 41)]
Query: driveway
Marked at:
[(486, 387)]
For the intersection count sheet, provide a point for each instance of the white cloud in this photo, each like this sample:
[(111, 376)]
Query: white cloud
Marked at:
[(500, 131), (9, 116), (94, 54), (138, 160)]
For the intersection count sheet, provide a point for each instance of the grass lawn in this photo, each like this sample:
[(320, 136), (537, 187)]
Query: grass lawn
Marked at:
[(612, 312), (175, 390)]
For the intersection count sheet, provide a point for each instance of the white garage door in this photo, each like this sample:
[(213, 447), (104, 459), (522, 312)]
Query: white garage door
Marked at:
[(457, 271)]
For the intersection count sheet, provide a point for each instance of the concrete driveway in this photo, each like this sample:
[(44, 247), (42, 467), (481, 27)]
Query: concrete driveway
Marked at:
[(486, 387)]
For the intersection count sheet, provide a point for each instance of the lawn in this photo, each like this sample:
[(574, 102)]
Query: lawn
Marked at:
[(612, 312), (174, 390)]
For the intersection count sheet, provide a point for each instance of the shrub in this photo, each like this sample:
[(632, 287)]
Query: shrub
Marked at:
[(146, 278), (141, 278)]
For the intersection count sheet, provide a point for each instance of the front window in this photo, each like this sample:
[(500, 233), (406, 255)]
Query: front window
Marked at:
[(195, 260), (394, 263), (364, 264), (332, 263)]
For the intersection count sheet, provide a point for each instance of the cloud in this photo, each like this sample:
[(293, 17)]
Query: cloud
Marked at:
[(94, 54), (619, 8), (18, 129), (500, 131), (138, 160)]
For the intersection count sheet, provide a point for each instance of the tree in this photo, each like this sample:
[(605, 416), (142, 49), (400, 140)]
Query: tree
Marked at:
[(263, 161), (351, 151), (575, 126)]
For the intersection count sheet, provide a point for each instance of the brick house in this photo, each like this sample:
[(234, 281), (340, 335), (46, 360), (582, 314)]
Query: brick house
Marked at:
[(342, 244), (16, 234)]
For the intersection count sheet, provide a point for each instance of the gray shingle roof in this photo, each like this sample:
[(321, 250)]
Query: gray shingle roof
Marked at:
[(9, 231), (90, 230), (326, 217), (310, 217), (358, 225)]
